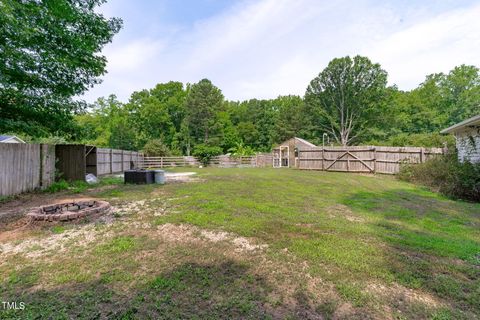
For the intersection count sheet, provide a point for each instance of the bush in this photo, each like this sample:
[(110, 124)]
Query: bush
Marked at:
[(445, 174), (240, 150), (57, 186), (205, 153), (156, 148)]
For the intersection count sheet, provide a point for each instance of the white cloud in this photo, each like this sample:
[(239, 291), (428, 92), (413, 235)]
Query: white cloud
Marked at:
[(435, 45), (261, 49)]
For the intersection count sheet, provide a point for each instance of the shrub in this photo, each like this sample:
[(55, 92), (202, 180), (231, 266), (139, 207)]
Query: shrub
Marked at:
[(416, 140), (156, 148), (205, 153), (445, 174), (241, 150), (52, 140), (57, 186)]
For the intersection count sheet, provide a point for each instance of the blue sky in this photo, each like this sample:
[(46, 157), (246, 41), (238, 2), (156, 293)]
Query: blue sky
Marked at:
[(266, 48)]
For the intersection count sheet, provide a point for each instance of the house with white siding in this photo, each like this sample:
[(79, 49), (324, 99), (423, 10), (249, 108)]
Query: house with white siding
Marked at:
[(467, 137)]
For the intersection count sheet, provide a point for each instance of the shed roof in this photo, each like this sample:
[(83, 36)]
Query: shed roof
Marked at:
[(296, 139), (308, 143), (469, 122)]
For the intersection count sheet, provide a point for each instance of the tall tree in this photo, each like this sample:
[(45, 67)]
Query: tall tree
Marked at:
[(344, 95), (202, 105), (50, 52), (150, 118), (291, 117)]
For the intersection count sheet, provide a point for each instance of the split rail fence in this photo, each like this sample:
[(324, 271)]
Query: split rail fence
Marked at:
[(223, 161), (368, 159)]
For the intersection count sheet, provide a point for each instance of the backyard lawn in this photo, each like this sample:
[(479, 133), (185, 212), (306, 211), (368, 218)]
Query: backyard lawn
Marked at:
[(248, 243)]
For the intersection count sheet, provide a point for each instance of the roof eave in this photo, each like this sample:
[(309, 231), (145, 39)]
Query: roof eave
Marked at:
[(460, 125)]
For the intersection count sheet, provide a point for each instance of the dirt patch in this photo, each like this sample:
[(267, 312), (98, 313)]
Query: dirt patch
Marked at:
[(129, 207), (185, 233), (402, 295), (179, 177), (55, 243), (340, 210)]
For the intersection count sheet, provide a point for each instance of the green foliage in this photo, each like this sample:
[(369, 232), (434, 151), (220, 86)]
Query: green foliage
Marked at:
[(156, 148), (52, 140), (447, 175), (57, 186), (241, 150), (183, 116), (345, 96), (202, 104), (292, 120), (50, 53), (206, 152), (73, 187), (81, 186), (117, 245), (58, 229), (417, 140)]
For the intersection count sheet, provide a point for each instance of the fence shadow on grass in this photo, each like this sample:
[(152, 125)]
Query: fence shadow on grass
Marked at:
[(432, 242), (216, 291)]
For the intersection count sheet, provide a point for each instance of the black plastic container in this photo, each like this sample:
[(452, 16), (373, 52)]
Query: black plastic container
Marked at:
[(139, 176)]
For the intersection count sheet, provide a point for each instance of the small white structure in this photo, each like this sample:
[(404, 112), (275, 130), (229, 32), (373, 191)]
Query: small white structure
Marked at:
[(467, 136), (10, 139)]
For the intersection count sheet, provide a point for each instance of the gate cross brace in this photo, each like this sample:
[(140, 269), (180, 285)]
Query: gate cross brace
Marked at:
[(354, 156)]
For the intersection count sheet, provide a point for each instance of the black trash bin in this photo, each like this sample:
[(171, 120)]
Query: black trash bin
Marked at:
[(139, 176)]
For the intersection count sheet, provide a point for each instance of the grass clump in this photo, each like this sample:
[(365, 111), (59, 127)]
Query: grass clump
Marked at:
[(117, 245)]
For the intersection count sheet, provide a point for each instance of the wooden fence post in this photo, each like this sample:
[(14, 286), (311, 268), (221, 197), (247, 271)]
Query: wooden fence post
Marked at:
[(374, 160), (111, 161), (323, 159), (422, 155)]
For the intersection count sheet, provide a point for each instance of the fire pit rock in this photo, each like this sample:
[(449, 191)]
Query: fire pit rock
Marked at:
[(68, 210)]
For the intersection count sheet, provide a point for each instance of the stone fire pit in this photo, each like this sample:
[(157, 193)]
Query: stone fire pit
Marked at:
[(68, 210)]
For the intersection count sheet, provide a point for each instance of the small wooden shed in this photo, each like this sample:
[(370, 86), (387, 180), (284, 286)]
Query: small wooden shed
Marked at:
[(74, 161), (285, 154), (467, 137)]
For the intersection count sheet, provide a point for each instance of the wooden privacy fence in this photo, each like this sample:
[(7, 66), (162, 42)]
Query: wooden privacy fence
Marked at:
[(264, 160), (110, 161), (25, 167), (368, 159)]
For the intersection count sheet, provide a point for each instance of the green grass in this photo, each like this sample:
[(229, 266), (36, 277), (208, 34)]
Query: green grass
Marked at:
[(363, 228), (79, 186), (350, 231)]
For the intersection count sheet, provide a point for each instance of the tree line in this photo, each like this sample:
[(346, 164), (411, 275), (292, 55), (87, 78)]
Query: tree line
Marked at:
[(349, 100)]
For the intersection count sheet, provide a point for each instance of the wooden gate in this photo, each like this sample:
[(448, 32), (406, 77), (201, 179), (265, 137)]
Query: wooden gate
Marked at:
[(367, 159)]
